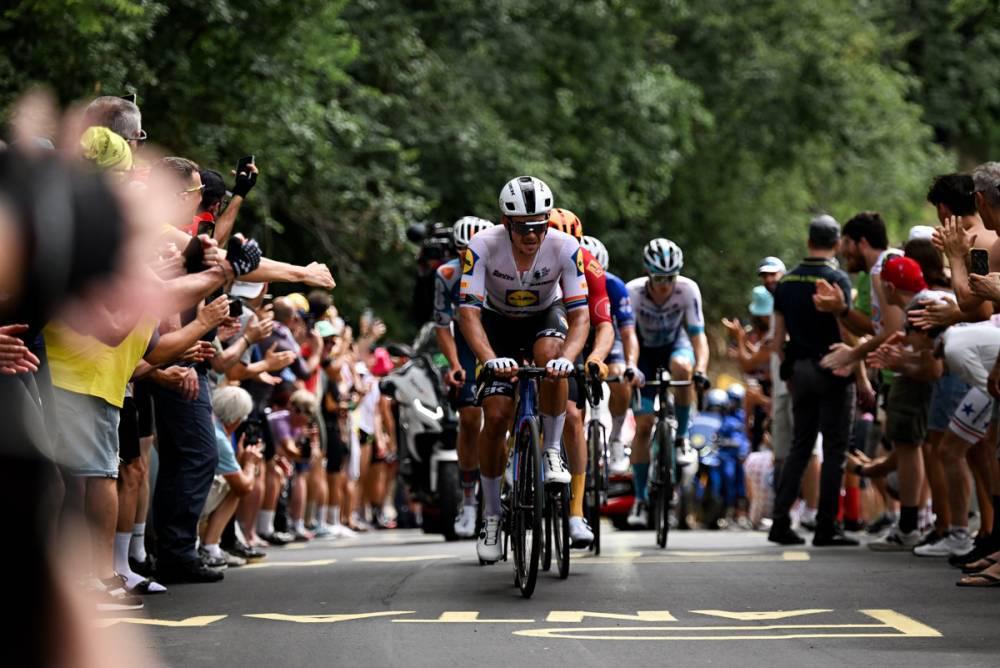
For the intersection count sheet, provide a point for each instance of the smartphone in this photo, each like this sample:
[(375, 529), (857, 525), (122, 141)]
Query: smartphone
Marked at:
[(235, 308), (251, 431), (194, 256), (980, 261), (241, 166), (206, 227)]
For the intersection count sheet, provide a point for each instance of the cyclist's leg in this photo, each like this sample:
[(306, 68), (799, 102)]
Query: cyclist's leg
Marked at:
[(550, 334), (618, 401), (682, 368), (576, 449), (498, 411), (470, 419), (649, 360)]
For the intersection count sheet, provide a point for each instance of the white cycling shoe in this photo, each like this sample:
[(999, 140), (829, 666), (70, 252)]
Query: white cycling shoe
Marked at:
[(619, 460), (580, 534), (638, 517), (489, 546), (555, 470), (465, 523)]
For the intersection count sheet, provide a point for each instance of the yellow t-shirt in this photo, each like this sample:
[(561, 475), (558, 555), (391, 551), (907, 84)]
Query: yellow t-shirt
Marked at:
[(84, 365)]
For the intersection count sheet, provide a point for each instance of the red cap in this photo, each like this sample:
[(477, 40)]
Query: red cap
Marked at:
[(904, 273)]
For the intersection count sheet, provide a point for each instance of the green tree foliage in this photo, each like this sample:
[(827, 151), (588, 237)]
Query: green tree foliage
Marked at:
[(721, 124)]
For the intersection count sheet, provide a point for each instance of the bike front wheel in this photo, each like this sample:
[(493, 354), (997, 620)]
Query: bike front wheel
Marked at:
[(527, 507), (664, 490), (597, 483)]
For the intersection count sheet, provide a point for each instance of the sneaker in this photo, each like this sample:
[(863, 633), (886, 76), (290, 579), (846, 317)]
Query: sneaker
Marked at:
[(112, 596), (555, 472), (619, 462), (808, 520), (952, 545), (982, 547), (143, 568), (930, 538), (303, 536), (465, 523), (244, 551), (580, 535), (323, 531), (192, 571), (854, 526), (832, 538), (233, 560), (218, 563), (341, 531), (639, 515), (881, 524), (896, 541), (783, 534), (489, 547), (277, 539)]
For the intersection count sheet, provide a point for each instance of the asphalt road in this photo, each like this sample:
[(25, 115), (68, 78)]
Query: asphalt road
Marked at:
[(401, 598)]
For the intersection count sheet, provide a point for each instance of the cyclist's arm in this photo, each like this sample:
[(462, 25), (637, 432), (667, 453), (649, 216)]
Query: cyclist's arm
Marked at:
[(695, 321), (576, 338), (604, 338), (700, 344), (443, 317), (630, 344), (446, 342), (470, 321)]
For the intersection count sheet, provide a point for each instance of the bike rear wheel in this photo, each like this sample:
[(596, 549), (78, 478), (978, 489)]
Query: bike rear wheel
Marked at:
[(597, 482), (547, 542), (558, 511), (527, 507)]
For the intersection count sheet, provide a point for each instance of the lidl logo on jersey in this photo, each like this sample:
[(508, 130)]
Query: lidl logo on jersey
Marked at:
[(522, 298), (579, 262), (469, 260)]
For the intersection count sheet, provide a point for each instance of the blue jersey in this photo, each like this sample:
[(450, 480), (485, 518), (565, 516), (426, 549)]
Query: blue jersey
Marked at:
[(621, 303), (447, 286)]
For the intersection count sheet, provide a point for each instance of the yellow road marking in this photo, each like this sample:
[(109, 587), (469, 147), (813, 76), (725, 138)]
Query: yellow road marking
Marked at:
[(421, 557), (462, 617), (640, 616), (296, 546), (761, 616), (795, 555), (905, 625), (203, 620), (274, 564), (328, 619)]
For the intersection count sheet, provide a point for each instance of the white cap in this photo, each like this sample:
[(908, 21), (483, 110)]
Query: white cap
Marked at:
[(246, 290), (770, 265), (921, 232)]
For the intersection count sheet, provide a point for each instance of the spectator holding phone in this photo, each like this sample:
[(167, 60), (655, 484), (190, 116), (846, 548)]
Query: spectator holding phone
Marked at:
[(295, 436)]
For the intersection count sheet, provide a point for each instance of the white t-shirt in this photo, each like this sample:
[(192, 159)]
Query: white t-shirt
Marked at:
[(490, 277), (971, 350), (875, 280), (659, 325)]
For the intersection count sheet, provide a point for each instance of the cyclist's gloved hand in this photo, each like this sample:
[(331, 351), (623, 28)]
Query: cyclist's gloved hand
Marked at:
[(502, 366), (559, 367), (602, 368), (637, 376), (701, 381)]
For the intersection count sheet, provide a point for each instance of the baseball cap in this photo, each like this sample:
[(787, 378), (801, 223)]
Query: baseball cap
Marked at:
[(770, 265), (824, 231), (904, 273), (761, 302), (246, 290), (921, 232), (215, 187), (325, 329)]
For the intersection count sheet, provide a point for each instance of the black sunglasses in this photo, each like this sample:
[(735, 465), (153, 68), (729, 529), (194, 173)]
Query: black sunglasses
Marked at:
[(524, 229)]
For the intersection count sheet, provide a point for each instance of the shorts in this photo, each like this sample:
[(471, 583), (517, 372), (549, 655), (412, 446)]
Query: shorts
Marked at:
[(216, 495), (907, 411), (336, 449), (617, 354), (972, 417), (88, 444), (515, 337), (652, 359), (466, 395), (128, 432), (144, 405), (945, 398)]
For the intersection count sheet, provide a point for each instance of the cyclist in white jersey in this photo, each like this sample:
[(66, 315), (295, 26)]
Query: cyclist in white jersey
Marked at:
[(671, 329), (514, 276)]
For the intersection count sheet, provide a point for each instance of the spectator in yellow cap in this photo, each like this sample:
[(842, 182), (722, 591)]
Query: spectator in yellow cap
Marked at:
[(105, 149)]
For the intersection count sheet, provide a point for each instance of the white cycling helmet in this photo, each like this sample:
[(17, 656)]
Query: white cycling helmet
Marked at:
[(468, 227), (662, 256), (525, 196), (596, 248)]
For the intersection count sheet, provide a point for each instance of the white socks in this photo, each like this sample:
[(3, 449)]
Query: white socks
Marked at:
[(213, 550), (324, 512), (265, 523), (137, 544), (334, 517), (617, 422), (552, 430), (132, 579), (299, 526)]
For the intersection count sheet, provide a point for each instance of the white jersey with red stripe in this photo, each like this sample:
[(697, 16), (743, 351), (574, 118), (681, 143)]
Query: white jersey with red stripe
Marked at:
[(491, 279)]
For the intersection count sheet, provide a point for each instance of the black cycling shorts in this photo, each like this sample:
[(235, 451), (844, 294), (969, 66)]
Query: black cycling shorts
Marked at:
[(515, 338), (144, 405), (128, 432)]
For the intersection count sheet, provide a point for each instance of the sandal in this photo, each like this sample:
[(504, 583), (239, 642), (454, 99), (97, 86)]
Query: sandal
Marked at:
[(977, 566), (979, 580)]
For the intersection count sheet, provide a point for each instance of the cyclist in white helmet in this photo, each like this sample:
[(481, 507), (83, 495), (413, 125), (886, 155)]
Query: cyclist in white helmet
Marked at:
[(671, 329), (624, 353), (462, 372), (523, 296)]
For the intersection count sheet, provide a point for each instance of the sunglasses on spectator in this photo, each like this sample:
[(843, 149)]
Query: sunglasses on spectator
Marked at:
[(662, 279), (196, 189), (140, 137), (524, 229)]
